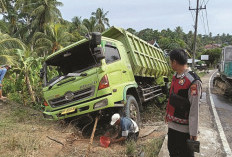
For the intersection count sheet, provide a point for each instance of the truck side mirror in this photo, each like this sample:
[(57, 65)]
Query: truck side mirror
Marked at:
[(98, 53), (96, 38)]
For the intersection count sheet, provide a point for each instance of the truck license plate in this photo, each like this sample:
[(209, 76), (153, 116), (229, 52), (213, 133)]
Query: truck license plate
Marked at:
[(68, 110)]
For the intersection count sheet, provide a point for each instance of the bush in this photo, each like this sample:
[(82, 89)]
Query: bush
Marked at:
[(130, 148), (152, 149), (16, 97)]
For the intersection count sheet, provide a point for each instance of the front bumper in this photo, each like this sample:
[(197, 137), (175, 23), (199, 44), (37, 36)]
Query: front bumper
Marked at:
[(80, 109)]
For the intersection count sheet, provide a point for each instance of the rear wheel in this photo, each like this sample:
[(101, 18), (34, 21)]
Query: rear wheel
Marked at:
[(131, 109)]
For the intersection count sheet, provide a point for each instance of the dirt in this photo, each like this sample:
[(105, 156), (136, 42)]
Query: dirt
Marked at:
[(24, 132)]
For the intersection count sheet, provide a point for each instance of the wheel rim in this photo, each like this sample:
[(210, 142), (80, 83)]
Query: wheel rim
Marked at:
[(133, 112)]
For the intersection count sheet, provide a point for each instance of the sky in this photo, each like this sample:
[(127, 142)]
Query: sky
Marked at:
[(156, 14)]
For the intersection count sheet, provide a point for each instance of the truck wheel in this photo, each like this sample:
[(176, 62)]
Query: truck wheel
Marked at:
[(131, 109)]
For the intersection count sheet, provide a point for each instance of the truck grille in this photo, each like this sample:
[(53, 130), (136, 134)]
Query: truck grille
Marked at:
[(77, 96)]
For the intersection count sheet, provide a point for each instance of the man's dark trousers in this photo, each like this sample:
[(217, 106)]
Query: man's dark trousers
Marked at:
[(177, 144)]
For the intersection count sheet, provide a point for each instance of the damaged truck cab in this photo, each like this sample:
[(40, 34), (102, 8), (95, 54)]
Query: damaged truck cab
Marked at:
[(115, 70)]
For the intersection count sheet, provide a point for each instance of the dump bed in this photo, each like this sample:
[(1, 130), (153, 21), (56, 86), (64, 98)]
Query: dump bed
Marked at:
[(146, 60)]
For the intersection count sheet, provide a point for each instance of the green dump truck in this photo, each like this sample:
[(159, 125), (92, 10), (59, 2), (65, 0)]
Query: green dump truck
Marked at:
[(114, 71)]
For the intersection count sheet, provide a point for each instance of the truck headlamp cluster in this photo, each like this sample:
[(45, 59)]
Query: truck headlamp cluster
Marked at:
[(101, 103)]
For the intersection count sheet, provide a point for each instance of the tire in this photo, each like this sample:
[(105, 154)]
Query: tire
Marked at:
[(131, 109)]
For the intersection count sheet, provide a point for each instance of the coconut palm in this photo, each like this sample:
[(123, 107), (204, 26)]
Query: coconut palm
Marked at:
[(45, 11), (77, 22), (4, 27), (10, 14), (101, 19), (8, 45), (90, 24), (54, 38), (3, 6), (77, 25)]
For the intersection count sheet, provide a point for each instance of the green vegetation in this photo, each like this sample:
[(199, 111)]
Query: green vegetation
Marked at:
[(148, 149), (131, 148), (201, 74), (152, 148), (30, 30)]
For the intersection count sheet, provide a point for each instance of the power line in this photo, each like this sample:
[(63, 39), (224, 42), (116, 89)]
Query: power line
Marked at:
[(207, 19), (192, 16), (206, 16), (203, 21), (202, 2), (191, 11), (189, 3)]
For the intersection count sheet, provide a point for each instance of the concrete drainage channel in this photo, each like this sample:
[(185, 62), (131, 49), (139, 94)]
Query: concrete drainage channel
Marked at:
[(212, 138)]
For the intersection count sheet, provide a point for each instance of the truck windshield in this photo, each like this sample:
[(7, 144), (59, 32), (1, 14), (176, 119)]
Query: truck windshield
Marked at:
[(74, 60), (228, 54)]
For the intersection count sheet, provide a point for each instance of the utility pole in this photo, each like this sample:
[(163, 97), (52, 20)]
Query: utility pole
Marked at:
[(195, 33)]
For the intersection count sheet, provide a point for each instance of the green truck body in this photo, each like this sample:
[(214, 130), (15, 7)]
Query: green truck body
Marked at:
[(145, 59), (124, 76)]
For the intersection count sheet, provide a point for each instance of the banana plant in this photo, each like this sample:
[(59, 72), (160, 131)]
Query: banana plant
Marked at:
[(26, 67)]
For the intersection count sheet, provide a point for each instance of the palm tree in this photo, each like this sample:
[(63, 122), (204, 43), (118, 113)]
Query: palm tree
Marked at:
[(101, 19), (77, 25), (54, 38), (179, 32), (3, 6), (8, 45), (4, 27), (45, 12), (77, 22), (90, 24), (10, 14)]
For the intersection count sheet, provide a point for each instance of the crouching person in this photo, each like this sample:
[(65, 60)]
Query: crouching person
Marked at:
[(129, 129)]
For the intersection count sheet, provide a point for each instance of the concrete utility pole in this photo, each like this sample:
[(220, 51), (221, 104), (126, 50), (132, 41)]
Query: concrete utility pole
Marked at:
[(195, 32)]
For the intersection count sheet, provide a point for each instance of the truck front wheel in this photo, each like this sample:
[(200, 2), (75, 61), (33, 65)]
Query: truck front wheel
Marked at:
[(131, 109)]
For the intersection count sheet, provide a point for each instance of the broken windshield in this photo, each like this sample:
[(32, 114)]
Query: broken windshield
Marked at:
[(74, 60)]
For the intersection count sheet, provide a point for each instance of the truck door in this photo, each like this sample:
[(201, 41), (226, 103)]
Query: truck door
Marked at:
[(116, 70)]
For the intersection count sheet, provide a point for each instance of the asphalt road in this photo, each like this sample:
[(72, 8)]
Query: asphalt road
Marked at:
[(224, 109)]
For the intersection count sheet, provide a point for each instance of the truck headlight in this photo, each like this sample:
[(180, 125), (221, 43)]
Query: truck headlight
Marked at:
[(101, 103)]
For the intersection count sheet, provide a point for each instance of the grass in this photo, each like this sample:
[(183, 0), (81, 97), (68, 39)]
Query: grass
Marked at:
[(153, 147), (153, 112), (22, 144), (201, 74), (23, 132), (150, 149), (130, 148)]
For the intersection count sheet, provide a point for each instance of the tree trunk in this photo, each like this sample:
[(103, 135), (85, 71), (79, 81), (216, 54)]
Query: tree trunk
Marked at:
[(22, 95), (31, 92)]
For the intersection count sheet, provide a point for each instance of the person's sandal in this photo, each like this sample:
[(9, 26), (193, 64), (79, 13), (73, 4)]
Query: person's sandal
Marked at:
[(3, 98)]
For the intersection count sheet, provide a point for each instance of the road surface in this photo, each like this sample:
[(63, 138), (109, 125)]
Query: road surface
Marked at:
[(223, 107)]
